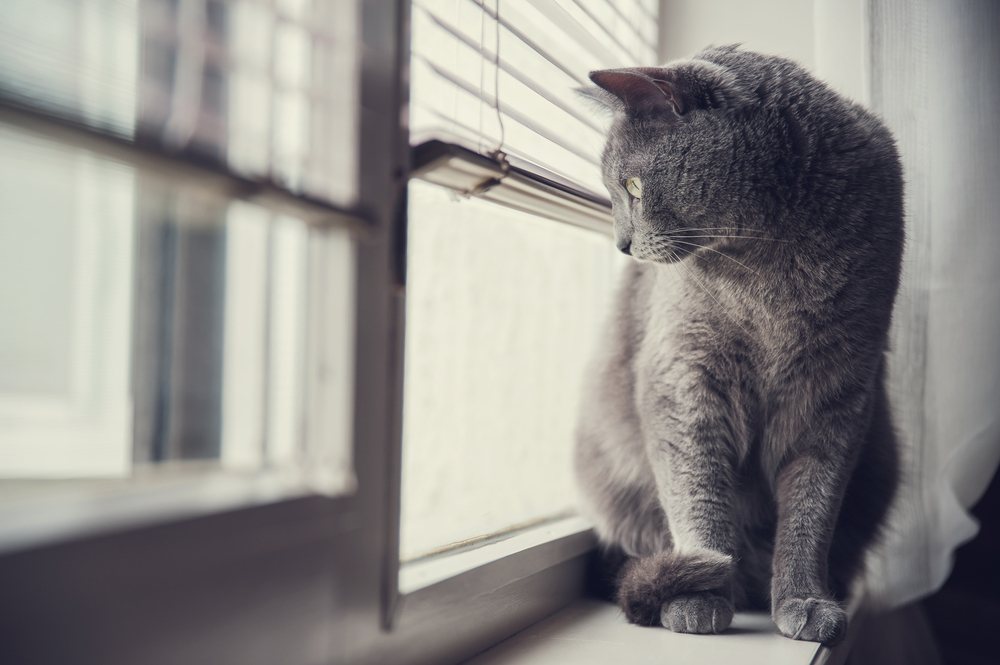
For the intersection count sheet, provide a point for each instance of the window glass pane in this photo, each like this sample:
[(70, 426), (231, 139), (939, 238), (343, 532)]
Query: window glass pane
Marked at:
[(270, 88), (66, 238), (155, 324), (150, 323), (502, 310)]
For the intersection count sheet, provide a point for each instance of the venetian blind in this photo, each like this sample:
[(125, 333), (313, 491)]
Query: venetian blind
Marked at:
[(500, 76)]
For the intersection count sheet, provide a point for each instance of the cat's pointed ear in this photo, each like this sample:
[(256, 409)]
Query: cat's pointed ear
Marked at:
[(672, 91), (639, 90)]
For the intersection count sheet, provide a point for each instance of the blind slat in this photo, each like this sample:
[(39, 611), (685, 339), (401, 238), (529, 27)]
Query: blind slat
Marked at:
[(511, 111), (604, 27), (576, 31), (506, 66), (269, 91)]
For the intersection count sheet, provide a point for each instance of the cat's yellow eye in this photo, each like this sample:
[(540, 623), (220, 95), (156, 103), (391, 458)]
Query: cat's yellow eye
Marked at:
[(634, 187)]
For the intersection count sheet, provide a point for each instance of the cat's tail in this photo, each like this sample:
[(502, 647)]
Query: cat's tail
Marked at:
[(645, 583)]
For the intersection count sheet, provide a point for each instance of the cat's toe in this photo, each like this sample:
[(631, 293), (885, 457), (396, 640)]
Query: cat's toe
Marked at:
[(703, 612), (811, 619)]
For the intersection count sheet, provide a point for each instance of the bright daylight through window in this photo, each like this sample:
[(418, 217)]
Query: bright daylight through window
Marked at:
[(504, 306)]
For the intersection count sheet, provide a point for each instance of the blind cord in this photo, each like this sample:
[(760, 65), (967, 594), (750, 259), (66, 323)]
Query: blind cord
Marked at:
[(482, 69), (497, 152), (496, 89)]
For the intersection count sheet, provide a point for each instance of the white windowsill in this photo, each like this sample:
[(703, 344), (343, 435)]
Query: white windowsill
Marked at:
[(595, 632)]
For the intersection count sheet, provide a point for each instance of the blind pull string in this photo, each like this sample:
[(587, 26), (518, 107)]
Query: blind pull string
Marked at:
[(497, 153), (482, 69)]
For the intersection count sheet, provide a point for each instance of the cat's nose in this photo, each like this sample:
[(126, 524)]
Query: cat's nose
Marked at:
[(624, 244)]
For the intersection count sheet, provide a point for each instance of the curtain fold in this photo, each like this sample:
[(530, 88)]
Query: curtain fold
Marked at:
[(936, 83)]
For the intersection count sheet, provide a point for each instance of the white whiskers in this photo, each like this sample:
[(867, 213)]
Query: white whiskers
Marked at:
[(677, 260), (681, 242)]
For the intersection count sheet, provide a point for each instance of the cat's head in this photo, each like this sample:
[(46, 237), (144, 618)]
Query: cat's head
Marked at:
[(676, 162)]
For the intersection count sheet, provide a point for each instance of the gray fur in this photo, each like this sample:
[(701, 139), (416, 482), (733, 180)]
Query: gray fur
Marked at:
[(737, 408)]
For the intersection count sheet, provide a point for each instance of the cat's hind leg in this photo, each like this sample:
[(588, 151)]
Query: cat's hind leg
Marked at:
[(866, 500)]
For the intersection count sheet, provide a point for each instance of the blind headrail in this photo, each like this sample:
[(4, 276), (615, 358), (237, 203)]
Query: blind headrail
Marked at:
[(516, 186)]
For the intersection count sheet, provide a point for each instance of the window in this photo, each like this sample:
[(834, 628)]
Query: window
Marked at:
[(508, 278), (178, 267), (503, 306), (502, 311)]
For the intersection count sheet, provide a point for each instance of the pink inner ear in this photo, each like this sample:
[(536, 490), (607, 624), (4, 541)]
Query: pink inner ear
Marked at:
[(638, 90), (668, 90)]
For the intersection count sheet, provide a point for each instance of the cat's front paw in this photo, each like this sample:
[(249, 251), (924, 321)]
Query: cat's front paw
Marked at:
[(811, 619), (702, 612)]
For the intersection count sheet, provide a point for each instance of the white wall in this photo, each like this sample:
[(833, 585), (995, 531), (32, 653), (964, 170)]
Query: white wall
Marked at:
[(781, 27), (828, 37)]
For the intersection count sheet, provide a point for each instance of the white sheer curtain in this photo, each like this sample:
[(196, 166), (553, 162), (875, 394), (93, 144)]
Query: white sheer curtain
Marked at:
[(936, 82)]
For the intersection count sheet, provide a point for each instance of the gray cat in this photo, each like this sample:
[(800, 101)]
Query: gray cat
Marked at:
[(735, 447)]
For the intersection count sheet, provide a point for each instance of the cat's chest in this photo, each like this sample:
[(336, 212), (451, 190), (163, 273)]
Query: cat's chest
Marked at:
[(686, 318)]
